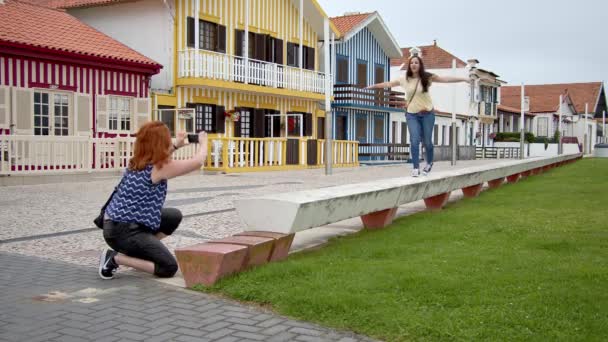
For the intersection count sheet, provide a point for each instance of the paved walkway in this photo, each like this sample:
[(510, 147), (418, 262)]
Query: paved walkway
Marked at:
[(50, 291), (44, 300)]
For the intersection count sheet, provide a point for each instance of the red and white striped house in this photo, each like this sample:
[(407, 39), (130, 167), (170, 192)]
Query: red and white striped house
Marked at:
[(61, 77)]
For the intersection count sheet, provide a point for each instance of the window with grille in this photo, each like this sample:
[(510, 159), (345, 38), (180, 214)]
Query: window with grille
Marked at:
[(342, 69), (362, 74), (361, 128), (207, 35), (245, 123), (41, 113), (211, 36), (379, 129), (543, 127), (204, 118), (120, 113), (61, 114)]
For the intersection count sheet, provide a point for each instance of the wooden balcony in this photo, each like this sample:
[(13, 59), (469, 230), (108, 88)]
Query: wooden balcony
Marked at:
[(349, 94), (223, 67)]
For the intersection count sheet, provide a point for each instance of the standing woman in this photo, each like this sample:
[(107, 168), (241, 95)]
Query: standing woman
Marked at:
[(135, 220), (419, 108)]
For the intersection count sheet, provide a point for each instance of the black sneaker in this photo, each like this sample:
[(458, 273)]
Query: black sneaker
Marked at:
[(427, 169), (107, 265)]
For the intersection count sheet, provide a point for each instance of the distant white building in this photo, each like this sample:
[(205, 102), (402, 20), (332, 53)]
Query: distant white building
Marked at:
[(544, 107), (475, 104)]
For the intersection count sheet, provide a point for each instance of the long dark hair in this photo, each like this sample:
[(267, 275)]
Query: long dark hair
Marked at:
[(424, 76)]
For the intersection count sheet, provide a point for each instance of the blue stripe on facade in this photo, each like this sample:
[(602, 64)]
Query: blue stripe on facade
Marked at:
[(363, 46)]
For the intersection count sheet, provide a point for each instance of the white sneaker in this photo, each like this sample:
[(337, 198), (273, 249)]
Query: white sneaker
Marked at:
[(415, 172)]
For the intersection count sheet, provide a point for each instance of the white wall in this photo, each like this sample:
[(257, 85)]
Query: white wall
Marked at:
[(538, 150), (145, 26)]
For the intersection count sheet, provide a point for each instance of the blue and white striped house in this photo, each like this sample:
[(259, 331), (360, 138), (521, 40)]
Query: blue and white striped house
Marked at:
[(362, 58)]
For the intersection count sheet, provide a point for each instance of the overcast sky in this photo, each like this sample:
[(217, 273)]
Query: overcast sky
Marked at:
[(532, 41)]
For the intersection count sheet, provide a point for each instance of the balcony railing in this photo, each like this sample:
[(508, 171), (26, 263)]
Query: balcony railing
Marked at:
[(352, 94), (223, 67)]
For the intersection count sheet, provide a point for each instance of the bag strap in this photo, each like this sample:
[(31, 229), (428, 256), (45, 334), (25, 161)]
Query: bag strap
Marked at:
[(414, 94)]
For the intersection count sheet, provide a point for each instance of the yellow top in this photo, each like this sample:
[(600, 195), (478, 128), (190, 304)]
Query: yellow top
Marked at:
[(421, 102)]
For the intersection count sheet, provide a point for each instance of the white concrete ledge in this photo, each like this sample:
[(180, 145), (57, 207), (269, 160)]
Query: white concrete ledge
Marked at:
[(296, 211)]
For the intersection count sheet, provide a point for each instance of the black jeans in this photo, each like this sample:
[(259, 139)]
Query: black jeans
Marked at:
[(140, 242)]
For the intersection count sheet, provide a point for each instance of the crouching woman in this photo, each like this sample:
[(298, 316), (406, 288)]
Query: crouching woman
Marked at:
[(135, 221)]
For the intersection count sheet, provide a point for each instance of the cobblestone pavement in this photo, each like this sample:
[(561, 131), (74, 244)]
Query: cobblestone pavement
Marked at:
[(50, 291), (43, 300), (55, 220)]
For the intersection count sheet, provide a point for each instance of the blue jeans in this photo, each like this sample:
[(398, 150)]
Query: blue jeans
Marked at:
[(421, 126)]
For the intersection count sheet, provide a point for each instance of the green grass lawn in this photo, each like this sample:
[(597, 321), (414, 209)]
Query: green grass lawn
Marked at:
[(527, 261)]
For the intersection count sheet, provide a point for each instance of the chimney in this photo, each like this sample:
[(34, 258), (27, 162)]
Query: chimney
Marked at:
[(434, 42), (351, 13), (472, 63)]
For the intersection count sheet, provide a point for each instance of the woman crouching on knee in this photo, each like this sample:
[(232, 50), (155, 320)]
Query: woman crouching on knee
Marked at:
[(135, 221)]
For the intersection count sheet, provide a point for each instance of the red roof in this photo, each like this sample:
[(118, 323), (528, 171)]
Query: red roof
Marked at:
[(29, 25), (74, 3), (433, 56), (509, 109), (544, 98), (346, 23)]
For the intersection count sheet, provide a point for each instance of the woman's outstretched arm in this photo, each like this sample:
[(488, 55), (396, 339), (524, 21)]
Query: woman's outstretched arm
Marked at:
[(389, 84), (449, 79)]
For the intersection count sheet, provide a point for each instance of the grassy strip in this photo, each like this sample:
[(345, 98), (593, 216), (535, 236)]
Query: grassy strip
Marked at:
[(528, 261)]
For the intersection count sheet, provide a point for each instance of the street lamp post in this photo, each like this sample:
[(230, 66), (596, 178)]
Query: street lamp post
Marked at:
[(521, 126), (454, 137)]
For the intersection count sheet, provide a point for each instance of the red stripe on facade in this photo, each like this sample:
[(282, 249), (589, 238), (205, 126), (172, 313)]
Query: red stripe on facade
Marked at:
[(15, 75), (53, 76), (94, 102), (23, 73), (45, 74), (31, 73), (61, 80), (111, 86), (124, 82), (81, 84), (87, 73)]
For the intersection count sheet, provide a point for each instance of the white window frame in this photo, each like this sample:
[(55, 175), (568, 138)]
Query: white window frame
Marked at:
[(121, 113), (546, 127), (51, 110)]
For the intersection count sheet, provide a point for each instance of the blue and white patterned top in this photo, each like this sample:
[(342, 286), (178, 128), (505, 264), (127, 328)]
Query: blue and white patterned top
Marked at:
[(138, 200)]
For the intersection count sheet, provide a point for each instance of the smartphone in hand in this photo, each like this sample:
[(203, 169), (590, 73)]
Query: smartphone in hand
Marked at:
[(193, 138)]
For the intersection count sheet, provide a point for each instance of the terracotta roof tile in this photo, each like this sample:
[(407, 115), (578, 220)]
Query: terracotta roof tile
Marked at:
[(544, 98), (510, 109), (74, 3), (346, 23), (433, 56), (27, 24)]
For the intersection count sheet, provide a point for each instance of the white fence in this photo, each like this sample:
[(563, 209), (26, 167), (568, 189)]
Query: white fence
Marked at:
[(540, 150), (21, 155), (218, 66)]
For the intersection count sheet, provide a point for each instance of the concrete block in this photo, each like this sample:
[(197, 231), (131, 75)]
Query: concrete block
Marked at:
[(258, 248), (437, 202), (495, 183), (206, 263), (281, 246), (513, 178), (472, 191), (379, 219)]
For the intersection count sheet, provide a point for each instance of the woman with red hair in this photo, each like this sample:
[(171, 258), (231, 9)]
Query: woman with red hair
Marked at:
[(135, 220)]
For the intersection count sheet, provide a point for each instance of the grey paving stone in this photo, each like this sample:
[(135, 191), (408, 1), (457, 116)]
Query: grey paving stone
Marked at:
[(305, 331), (251, 336), (114, 316)]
